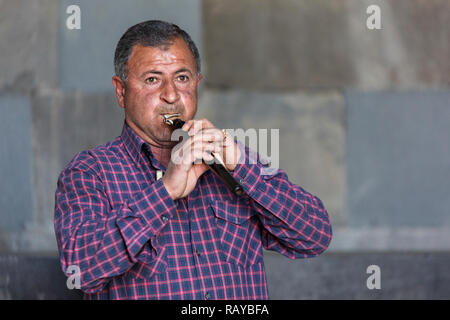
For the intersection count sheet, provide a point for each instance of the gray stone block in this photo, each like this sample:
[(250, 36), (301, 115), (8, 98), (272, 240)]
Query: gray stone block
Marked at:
[(87, 54), (326, 44), (398, 159), (311, 135), (401, 55), (33, 278), (329, 276), (390, 238), (63, 125), (16, 205), (344, 276), (28, 43)]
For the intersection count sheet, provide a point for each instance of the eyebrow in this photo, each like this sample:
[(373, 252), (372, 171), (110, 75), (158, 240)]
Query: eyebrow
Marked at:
[(159, 72)]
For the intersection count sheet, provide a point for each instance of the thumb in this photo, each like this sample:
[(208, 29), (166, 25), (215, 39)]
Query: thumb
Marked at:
[(199, 169)]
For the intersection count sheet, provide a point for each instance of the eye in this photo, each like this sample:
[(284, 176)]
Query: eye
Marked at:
[(183, 78), (151, 80)]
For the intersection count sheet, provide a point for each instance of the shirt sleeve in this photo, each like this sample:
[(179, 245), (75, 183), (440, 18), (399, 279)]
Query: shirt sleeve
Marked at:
[(102, 241), (295, 222)]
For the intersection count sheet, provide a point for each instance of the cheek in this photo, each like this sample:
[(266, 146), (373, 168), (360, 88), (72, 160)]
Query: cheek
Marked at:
[(189, 98), (143, 100), (140, 105)]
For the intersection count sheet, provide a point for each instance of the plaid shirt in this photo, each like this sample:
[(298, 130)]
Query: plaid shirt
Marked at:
[(116, 222)]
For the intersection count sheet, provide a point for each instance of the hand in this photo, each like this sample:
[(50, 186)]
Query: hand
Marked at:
[(229, 152), (186, 164)]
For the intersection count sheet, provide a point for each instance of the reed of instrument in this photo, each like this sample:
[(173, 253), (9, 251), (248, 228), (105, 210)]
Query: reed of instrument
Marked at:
[(216, 166)]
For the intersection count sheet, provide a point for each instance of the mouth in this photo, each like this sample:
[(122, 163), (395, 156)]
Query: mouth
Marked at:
[(169, 118)]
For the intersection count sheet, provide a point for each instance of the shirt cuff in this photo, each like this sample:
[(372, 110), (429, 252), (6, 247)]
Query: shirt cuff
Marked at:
[(248, 171), (154, 205), (148, 212)]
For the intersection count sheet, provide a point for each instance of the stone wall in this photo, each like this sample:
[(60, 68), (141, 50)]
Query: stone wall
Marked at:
[(404, 275), (362, 116), (362, 113), (56, 92), (300, 44)]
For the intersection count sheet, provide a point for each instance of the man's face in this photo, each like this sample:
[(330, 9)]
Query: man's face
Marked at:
[(161, 80)]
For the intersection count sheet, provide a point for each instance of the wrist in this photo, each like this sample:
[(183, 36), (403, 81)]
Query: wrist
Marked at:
[(169, 189), (233, 159)]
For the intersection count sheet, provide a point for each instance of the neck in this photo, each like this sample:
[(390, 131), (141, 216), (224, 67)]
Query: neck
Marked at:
[(162, 154)]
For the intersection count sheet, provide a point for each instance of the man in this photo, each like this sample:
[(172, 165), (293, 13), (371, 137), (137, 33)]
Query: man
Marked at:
[(135, 235)]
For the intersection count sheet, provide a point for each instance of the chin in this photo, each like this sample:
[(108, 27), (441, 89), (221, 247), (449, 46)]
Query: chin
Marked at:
[(163, 135)]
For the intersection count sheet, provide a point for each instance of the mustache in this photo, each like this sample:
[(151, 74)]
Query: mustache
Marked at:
[(171, 109)]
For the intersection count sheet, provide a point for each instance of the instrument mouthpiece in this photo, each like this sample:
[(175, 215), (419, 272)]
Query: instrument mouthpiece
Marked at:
[(170, 118)]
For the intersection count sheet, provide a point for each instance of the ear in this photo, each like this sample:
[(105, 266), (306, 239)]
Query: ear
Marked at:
[(199, 79), (119, 87)]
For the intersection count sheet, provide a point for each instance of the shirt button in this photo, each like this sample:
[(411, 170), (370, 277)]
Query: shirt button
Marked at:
[(207, 296), (165, 218), (198, 253), (241, 181)]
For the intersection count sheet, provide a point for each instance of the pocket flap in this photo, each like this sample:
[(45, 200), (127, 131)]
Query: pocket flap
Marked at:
[(236, 213)]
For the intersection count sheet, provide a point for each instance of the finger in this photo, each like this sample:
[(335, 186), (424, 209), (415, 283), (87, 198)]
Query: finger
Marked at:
[(207, 156), (181, 156), (208, 135), (194, 127), (206, 123), (210, 146), (206, 147), (199, 156), (187, 125), (199, 125), (189, 152), (227, 138), (185, 154)]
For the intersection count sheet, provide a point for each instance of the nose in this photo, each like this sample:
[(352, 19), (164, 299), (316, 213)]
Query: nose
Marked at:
[(169, 93)]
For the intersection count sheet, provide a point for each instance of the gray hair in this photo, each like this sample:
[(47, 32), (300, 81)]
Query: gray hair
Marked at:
[(152, 33)]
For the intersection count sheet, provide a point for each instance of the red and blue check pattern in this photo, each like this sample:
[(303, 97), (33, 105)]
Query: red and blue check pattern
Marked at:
[(130, 240)]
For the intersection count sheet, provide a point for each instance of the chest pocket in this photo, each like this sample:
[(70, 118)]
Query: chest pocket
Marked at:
[(239, 233)]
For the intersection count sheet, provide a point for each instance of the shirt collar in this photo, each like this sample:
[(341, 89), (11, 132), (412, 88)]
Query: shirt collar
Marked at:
[(136, 146)]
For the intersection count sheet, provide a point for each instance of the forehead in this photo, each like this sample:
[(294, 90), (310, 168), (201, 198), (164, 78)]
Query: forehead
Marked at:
[(172, 55)]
